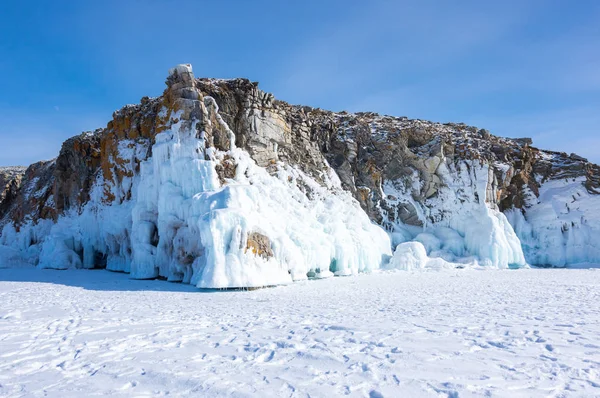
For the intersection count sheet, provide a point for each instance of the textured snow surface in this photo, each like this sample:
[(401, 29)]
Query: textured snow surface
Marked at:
[(526, 333)]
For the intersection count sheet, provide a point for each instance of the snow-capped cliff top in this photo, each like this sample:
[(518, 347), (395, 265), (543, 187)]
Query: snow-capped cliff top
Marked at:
[(12, 170)]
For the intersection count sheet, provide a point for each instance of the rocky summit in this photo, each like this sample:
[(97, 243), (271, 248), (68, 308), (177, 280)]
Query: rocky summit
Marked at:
[(219, 184), (10, 181)]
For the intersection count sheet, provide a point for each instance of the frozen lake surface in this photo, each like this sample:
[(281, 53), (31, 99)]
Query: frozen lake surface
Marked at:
[(451, 333)]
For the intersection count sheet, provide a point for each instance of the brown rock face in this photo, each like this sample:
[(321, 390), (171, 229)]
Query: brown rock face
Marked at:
[(268, 129), (10, 181), (75, 171), (259, 245), (32, 198)]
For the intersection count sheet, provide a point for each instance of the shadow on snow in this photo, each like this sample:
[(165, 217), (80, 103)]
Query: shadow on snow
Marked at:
[(101, 280)]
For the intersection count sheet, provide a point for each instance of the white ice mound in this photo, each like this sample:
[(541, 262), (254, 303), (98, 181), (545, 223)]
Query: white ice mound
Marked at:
[(412, 256), (10, 257), (409, 256)]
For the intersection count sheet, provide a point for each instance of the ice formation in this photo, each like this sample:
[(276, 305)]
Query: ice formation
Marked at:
[(560, 227), (181, 223), (164, 191), (458, 224), (204, 228), (409, 256)]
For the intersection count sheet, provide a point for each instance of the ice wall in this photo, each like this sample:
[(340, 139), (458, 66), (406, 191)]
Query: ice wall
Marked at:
[(457, 224), (560, 227), (189, 227), (185, 222)]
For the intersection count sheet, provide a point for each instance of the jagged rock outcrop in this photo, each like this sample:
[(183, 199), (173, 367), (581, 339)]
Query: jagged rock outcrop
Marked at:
[(31, 197), (462, 192), (10, 181)]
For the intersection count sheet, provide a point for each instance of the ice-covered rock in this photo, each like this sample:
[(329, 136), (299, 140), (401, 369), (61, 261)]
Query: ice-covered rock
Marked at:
[(11, 257), (218, 184), (183, 207), (560, 226)]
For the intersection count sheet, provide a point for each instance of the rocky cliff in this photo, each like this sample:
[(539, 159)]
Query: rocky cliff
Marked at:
[(219, 184), (10, 181)]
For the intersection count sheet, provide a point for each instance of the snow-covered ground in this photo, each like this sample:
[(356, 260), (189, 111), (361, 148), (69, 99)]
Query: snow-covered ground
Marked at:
[(76, 333)]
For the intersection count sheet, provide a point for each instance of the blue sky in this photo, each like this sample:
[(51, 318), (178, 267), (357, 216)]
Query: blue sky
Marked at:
[(517, 68)]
